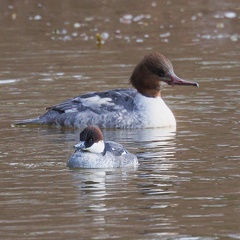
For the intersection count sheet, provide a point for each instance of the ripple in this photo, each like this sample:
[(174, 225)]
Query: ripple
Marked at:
[(8, 81)]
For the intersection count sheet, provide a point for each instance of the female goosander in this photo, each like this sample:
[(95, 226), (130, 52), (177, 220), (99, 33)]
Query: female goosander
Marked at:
[(142, 107), (93, 152)]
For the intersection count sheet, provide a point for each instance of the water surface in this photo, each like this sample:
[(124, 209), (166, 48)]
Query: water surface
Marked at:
[(187, 182)]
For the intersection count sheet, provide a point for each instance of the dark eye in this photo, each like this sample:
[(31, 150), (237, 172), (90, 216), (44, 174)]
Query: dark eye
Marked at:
[(90, 140), (161, 73)]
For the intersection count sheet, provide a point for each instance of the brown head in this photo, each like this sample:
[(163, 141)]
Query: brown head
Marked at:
[(91, 140), (91, 135), (149, 73)]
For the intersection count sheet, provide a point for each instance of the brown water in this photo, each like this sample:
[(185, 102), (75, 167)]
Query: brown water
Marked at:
[(187, 185)]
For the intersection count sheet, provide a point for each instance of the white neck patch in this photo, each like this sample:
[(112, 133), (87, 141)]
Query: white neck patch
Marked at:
[(155, 112), (96, 147)]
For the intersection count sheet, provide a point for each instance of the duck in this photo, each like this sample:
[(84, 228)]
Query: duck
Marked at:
[(139, 107), (93, 152)]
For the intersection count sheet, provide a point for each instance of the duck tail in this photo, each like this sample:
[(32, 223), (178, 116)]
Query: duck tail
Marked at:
[(37, 120)]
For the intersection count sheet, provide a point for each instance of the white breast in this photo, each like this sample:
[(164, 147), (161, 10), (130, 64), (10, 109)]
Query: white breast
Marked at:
[(153, 111)]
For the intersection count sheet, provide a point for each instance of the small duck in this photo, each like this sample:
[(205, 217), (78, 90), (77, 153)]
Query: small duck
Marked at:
[(141, 107), (93, 152)]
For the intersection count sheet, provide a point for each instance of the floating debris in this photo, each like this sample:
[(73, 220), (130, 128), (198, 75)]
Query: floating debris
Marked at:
[(74, 34), (7, 81), (193, 18), (220, 25), (230, 14), (67, 38), (127, 38), (154, 4), (234, 37), (139, 40), (164, 35), (101, 38), (63, 31), (138, 18), (88, 19), (14, 16), (77, 25), (56, 31), (226, 14), (37, 18), (105, 35), (126, 19)]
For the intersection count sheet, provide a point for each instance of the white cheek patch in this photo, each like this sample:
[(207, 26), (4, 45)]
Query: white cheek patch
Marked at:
[(96, 147)]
